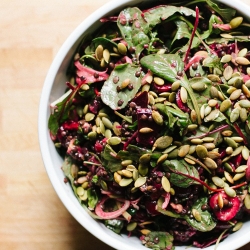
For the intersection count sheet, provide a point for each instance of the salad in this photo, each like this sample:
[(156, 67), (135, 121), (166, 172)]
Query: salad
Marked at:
[(154, 125)]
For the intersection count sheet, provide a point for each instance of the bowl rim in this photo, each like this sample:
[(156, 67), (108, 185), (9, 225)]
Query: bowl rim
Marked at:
[(43, 132)]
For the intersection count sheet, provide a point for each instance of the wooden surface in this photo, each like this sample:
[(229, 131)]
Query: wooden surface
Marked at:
[(31, 214)]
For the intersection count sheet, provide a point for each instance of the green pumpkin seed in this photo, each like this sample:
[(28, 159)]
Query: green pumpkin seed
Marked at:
[(89, 117), (196, 214), (230, 142), (201, 151), (169, 149), (242, 60), (228, 167), (235, 114), (238, 226), (245, 153), (140, 182), (199, 86), (183, 95), (145, 158), (235, 95), (236, 22), (125, 182), (210, 163), (131, 226), (99, 52), (172, 97), (196, 141), (173, 154), (145, 87), (208, 139), (214, 92), (142, 169), (226, 58), (115, 140), (225, 105), (228, 177), (127, 173), (244, 103), (225, 35), (237, 138), (163, 142), (237, 151), (74, 170), (151, 100), (165, 184), (92, 135), (162, 158), (218, 181), (107, 123), (159, 81), (192, 127), (116, 128), (117, 177), (243, 114), (238, 176), (135, 174), (157, 117), (213, 78), (80, 191), (241, 168), (145, 130), (228, 72), (122, 49), (126, 163), (229, 191), (175, 86), (247, 201), (183, 151)]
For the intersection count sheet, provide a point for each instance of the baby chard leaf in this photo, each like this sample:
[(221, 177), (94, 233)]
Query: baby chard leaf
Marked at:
[(170, 67), (182, 167), (109, 94), (206, 222)]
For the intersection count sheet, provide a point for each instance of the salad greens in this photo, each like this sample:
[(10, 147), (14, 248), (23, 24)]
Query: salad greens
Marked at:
[(154, 123)]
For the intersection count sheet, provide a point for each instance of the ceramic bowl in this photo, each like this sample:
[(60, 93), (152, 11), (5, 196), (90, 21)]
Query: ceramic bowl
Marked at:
[(53, 88)]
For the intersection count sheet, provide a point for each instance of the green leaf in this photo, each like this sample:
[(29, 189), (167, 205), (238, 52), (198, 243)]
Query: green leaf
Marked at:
[(226, 13), (207, 223), (134, 28), (161, 13), (114, 225), (109, 93), (166, 212), (92, 198), (183, 167), (165, 240), (168, 67)]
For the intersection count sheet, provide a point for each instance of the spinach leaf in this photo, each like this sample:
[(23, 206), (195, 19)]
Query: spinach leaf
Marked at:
[(114, 225), (207, 223), (92, 198), (183, 167), (109, 93)]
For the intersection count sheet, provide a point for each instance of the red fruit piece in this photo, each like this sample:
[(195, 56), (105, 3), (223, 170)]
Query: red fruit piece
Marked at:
[(227, 212)]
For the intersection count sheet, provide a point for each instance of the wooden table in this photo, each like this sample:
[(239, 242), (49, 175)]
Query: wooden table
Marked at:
[(31, 214)]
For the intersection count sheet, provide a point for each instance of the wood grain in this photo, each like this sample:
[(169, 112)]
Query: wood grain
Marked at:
[(31, 214)]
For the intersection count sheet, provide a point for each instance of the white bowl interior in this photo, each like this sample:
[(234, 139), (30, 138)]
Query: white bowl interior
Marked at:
[(54, 87)]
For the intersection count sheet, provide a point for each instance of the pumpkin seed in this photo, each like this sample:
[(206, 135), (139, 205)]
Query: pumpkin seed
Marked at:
[(126, 163), (199, 86), (173, 154), (106, 55), (80, 191), (238, 226), (151, 100), (228, 72), (212, 103), (127, 173), (145, 130), (221, 96), (107, 123), (247, 201), (214, 92), (157, 117), (201, 151), (99, 52), (235, 114), (117, 177), (169, 149), (183, 95), (196, 141), (230, 142), (82, 179), (237, 138), (135, 175), (116, 128), (115, 140), (227, 133), (172, 97), (235, 95), (142, 169), (145, 87), (229, 191), (228, 167), (226, 58), (244, 103), (243, 114), (213, 155), (245, 90), (89, 117), (122, 49), (208, 139), (163, 142), (183, 151), (229, 150), (213, 78), (192, 127), (125, 182), (131, 226), (140, 182), (218, 181), (212, 116), (242, 60), (158, 81), (236, 22), (193, 115), (220, 201), (228, 177), (238, 176), (237, 151), (210, 163), (104, 185), (162, 158), (241, 168), (196, 214), (225, 35), (145, 231), (175, 85), (245, 153), (92, 135), (165, 184), (160, 99), (145, 158), (207, 110)]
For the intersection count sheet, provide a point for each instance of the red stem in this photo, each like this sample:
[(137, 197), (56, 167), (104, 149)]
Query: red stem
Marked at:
[(129, 140), (238, 130), (193, 32)]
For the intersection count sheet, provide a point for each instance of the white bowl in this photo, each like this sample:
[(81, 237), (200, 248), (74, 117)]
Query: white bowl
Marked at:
[(53, 88)]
